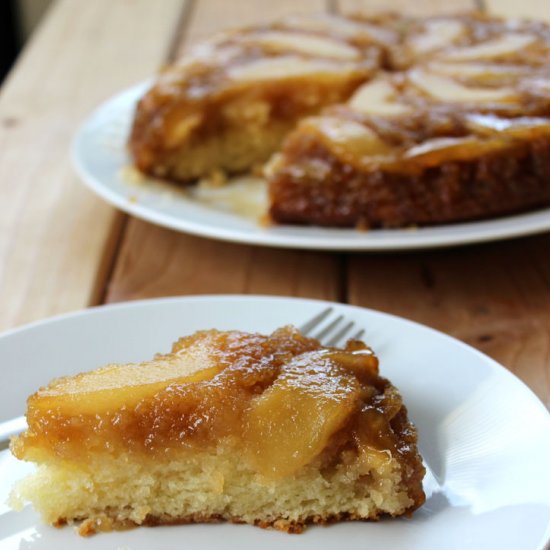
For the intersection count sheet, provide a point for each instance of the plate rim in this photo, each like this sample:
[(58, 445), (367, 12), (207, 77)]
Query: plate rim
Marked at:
[(264, 237)]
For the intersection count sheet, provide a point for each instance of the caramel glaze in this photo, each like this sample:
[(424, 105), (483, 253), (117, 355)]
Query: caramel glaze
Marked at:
[(201, 414), (152, 125), (204, 86), (199, 87)]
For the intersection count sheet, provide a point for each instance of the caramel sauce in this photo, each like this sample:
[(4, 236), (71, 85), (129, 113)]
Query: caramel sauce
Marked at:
[(280, 398), (243, 195)]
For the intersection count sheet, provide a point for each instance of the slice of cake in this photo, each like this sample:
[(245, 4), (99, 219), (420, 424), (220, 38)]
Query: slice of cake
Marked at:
[(268, 430)]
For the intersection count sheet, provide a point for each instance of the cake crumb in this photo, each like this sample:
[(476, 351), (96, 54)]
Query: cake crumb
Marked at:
[(215, 179), (130, 174), (91, 526)]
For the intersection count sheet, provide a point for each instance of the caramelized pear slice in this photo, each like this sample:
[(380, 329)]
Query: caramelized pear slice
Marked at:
[(445, 89), (347, 138), (301, 43), (435, 151), (357, 358), (501, 47), (292, 421), (520, 127), (116, 386), (437, 34), (378, 97)]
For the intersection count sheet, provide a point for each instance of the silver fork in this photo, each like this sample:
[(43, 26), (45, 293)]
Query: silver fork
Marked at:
[(330, 332)]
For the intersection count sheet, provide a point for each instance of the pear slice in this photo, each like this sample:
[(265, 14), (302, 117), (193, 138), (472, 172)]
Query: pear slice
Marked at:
[(435, 151), (437, 34), (478, 71), (520, 127), (378, 97), (302, 43), (291, 423), (348, 137), (115, 386), (290, 66), (503, 46), (446, 89)]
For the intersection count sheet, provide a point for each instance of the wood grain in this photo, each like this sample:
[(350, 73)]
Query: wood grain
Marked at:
[(158, 262), (54, 234), (536, 9)]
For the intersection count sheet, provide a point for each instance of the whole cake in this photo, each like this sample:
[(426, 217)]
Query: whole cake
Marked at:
[(270, 430), (384, 121)]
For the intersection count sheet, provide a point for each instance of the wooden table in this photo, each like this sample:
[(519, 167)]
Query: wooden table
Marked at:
[(62, 249)]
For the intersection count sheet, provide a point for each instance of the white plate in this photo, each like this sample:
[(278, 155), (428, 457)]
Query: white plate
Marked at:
[(102, 161), (483, 434)]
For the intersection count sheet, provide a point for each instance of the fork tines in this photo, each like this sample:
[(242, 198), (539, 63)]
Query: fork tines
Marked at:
[(333, 333)]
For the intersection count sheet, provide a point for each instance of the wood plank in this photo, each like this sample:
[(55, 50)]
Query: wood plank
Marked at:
[(212, 16), (53, 232), (535, 9), (157, 262)]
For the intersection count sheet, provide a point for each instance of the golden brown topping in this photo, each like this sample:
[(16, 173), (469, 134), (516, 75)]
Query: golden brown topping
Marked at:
[(281, 398)]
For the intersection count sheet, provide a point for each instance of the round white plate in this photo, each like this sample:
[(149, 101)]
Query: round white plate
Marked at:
[(484, 436), (102, 161)]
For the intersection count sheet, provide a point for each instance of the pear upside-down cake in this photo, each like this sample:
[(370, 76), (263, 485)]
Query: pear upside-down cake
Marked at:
[(268, 430), (388, 121)]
